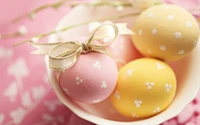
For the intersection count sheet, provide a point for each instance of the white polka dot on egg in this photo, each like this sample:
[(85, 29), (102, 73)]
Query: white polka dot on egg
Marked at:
[(140, 32), (116, 95), (78, 81), (103, 85), (168, 87), (166, 7), (150, 15), (154, 31), (149, 51), (177, 35), (97, 65), (149, 85), (156, 110), (195, 42), (188, 24), (163, 48), (181, 52), (170, 17), (134, 115), (160, 66), (130, 72)]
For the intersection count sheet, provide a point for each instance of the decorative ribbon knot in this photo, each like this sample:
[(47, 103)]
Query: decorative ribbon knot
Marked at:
[(86, 49), (63, 55)]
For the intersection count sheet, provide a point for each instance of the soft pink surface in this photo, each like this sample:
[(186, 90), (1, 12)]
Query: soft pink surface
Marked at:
[(123, 51), (26, 98), (92, 79)]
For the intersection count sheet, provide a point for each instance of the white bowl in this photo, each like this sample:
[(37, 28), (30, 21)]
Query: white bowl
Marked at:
[(187, 71)]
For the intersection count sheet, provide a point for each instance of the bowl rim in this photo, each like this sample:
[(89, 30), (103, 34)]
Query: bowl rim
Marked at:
[(101, 121), (98, 120)]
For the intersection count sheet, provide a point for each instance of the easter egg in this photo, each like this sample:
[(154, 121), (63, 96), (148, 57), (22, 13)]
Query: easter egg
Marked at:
[(167, 32), (92, 79), (123, 51), (145, 87)]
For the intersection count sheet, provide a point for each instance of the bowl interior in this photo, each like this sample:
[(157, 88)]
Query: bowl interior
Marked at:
[(187, 71)]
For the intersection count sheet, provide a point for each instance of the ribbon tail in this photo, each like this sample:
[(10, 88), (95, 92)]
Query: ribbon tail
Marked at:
[(39, 52), (123, 30), (43, 48)]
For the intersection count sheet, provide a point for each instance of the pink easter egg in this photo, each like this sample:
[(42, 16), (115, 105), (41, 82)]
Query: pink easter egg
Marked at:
[(123, 51), (92, 79)]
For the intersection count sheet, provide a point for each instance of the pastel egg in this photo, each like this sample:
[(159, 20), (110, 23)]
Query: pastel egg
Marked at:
[(167, 32), (123, 51), (92, 79), (145, 88)]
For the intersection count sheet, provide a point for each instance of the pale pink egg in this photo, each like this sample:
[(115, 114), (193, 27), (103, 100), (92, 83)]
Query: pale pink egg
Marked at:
[(123, 51), (92, 79)]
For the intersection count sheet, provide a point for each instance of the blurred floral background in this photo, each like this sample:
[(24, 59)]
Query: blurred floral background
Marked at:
[(28, 100)]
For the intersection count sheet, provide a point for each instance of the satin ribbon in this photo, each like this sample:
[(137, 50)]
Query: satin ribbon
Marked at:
[(63, 55)]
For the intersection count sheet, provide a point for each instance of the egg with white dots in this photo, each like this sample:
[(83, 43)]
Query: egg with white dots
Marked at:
[(91, 79), (167, 32), (145, 87)]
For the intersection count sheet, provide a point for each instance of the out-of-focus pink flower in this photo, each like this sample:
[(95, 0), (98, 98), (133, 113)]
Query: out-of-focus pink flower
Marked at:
[(171, 122), (185, 3), (190, 123), (198, 120), (192, 5), (186, 114)]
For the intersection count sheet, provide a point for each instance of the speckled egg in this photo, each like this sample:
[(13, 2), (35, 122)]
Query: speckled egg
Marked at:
[(145, 88), (92, 79), (123, 51), (167, 32)]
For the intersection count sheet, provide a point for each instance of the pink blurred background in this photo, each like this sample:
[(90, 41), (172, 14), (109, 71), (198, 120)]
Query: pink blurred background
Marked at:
[(28, 100)]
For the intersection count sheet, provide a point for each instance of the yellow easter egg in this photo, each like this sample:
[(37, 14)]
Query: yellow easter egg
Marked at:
[(145, 88), (167, 32)]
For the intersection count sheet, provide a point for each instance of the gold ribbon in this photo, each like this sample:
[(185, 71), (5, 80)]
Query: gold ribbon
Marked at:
[(64, 55)]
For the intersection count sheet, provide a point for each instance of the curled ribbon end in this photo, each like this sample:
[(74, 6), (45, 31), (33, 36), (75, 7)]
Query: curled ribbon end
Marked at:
[(123, 30)]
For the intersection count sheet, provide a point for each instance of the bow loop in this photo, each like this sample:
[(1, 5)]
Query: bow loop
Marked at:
[(64, 55), (105, 34)]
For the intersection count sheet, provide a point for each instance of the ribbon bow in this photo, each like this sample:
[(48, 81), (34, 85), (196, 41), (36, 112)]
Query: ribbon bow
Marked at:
[(63, 55)]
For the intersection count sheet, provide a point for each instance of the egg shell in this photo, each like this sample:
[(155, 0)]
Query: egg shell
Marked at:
[(167, 32), (123, 51), (92, 79), (145, 87)]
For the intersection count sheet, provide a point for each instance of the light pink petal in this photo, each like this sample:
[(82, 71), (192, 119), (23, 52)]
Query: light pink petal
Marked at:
[(185, 3), (186, 114), (197, 107), (190, 123), (198, 119), (171, 122)]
